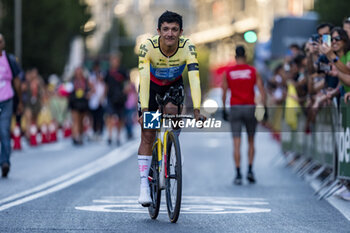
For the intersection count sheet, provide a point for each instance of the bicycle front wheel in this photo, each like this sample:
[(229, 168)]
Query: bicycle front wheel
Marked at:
[(174, 177), (153, 178)]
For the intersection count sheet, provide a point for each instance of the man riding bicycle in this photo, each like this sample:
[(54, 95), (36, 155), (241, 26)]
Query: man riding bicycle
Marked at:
[(162, 60)]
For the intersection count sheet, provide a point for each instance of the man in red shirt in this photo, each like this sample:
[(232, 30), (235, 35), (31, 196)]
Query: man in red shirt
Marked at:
[(241, 79)]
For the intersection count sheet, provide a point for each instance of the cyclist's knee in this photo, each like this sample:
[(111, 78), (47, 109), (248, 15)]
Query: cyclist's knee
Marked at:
[(148, 137)]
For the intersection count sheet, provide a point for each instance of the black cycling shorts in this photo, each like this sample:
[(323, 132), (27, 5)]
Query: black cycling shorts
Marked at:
[(243, 115), (157, 89)]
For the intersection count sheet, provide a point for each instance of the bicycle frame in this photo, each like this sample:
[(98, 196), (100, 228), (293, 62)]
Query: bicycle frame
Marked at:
[(162, 156)]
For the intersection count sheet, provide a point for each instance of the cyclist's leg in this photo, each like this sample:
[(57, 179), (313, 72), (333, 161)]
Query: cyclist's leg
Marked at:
[(144, 161), (147, 139), (145, 154)]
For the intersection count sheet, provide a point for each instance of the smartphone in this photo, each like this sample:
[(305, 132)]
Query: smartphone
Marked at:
[(326, 39), (315, 37)]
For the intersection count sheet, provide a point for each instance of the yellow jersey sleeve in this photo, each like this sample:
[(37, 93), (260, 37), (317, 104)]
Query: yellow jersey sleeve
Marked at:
[(144, 70), (193, 74)]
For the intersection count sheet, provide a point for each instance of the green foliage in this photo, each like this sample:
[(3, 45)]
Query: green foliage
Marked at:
[(333, 11), (48, 26)]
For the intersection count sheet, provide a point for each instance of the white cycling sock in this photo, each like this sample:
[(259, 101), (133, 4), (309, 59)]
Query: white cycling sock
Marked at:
[(144, 166)]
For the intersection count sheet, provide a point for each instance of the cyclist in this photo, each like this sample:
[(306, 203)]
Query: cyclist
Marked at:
[(162, 60), (241, 79)]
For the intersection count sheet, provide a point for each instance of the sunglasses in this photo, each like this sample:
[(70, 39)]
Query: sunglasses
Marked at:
[(337, 38)]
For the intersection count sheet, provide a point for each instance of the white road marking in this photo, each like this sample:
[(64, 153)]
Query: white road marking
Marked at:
[(190, 205), (112, 158)]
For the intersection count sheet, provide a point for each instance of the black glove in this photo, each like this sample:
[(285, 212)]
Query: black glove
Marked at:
[(224, 115), (266, 115)]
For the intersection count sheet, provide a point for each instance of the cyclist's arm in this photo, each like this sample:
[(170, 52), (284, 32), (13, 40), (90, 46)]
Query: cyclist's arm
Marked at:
[(193, 75), (144, 70)]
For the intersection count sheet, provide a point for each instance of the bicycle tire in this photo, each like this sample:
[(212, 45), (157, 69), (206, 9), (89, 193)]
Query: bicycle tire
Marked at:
[(174, 173), (153, 209)]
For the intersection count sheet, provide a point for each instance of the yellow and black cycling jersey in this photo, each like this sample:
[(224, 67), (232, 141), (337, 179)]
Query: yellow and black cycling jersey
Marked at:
[(162, 70)]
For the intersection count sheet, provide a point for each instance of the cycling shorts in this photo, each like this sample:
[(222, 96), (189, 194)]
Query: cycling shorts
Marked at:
[(243, 115), (157, 89)]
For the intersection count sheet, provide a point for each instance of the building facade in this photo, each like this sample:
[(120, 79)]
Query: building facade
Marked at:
[(220, 24)]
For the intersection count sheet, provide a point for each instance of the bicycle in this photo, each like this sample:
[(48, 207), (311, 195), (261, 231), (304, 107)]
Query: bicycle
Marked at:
[(166, 170)]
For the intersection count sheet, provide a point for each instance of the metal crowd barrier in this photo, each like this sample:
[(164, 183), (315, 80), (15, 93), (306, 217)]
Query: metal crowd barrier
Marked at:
[(325, 149)]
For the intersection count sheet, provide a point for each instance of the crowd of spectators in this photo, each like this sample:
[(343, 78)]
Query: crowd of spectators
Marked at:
[(85, 104), (310, 77), (33, 108)]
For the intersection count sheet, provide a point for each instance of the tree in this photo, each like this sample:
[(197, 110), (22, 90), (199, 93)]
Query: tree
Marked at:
[(333, 11), (47, 29), (126, 44)]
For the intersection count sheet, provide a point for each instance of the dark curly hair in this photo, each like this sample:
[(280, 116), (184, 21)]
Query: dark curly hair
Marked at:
[(170, 17), (344, 37)]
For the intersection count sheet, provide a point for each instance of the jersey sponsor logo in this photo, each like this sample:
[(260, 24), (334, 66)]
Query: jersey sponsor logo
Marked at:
[(168, 73), (240, 74), (192, 49), (143, 168), (344, 145), (193, 66), (143, 50), (151, 120)]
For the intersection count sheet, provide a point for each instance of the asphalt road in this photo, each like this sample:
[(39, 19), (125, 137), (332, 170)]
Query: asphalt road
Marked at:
[(60, 188)]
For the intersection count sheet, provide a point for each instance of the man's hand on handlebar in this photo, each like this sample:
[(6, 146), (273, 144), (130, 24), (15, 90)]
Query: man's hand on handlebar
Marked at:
[(198, 116), (140, 119)]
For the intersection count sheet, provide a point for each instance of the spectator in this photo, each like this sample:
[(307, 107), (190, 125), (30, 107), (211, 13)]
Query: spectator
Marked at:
[(78, 103), (346, 26), (9, 80), (33, 89), (241, 79), (97, 99), (339, 54), (312, 46), (294, 50), (278, 94), (115, 79), (130, 109), (58, 103)]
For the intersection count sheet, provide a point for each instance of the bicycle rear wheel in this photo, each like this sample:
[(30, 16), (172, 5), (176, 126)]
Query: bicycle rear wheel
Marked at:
[(174, 177), (153, 178)]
